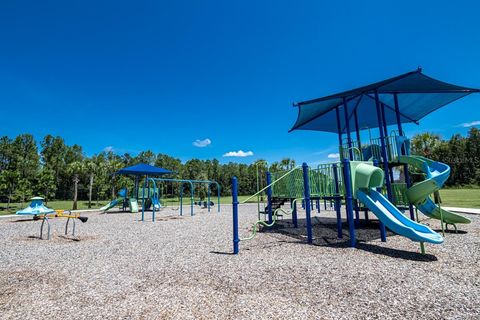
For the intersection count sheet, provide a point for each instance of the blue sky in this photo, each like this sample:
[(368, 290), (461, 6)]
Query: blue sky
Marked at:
[(161, 75)]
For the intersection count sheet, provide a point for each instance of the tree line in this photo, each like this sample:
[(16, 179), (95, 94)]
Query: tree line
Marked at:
[(57, 171), (462, 154)]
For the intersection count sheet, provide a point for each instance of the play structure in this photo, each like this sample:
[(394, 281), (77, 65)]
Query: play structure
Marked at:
[(364, 178), (39, 211), (151, 184), (149, 192)]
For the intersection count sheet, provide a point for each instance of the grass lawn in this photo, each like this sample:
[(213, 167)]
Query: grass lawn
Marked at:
[(464, 198), (66, 205)]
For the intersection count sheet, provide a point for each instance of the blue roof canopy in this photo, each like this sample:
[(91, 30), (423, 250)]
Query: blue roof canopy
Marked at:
[(418, 95), (144, 169)]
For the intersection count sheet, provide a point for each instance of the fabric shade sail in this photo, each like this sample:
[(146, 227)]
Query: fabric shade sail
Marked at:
[(144, 169), (417, 95)]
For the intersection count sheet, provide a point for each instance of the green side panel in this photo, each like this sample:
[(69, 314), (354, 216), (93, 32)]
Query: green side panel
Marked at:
[(400, 194), (321, 182)]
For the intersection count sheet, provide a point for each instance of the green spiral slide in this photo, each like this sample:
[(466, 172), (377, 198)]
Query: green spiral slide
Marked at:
[(419, 194)]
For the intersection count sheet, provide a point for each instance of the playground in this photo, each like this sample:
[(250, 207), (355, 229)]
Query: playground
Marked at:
[(182, 267), (362, 237)]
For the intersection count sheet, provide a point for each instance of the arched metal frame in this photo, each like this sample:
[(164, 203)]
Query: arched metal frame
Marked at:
[(192, 184)]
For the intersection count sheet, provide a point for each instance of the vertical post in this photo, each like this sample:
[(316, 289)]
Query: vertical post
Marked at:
[(294, 214), (153, 197), (405, 166), (192, 196), (143, 200), (269, 197), (397, 114), (236, 239), (383, 232), (306, 188), (218, 196), (357, 130), (348, 200), (384, 149), (339, 129), (258, 195), (347, 127), (318, 205), (136, 187), (181, 198), (208, 196), (338, 203), (357, 214), (387, 141)]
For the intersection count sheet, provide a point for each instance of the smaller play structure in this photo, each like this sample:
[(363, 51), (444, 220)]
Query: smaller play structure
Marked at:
[(40, 212), (124, 201), (149, 192), (364, 179)]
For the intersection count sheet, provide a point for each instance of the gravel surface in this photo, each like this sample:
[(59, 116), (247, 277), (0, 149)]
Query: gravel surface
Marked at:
[(181, 268)]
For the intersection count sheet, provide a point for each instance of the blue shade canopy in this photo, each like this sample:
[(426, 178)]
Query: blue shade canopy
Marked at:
[(144, 169), (417, 95)]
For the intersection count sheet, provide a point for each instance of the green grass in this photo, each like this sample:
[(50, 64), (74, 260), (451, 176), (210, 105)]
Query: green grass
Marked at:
[(464, 198), (67, 205)]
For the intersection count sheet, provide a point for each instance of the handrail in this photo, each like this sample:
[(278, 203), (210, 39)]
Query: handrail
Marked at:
[(271, 184), (358, 151)]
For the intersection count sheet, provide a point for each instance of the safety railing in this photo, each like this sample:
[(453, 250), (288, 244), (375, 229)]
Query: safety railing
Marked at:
[(373, 150)]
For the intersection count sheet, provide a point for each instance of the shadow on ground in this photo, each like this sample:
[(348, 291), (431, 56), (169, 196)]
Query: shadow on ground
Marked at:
[(325, 234)]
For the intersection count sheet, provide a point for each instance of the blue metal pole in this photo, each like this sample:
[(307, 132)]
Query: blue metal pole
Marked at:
[(153, 196), (347, 126), (357, 130), (387, 141), (405, 166), (269, 197), (397, 114), (143, 200), (339, 129), (348, 200), (306, 187), (384, 149), (383, 232), (236, 238), (338, 203), (137, 182)]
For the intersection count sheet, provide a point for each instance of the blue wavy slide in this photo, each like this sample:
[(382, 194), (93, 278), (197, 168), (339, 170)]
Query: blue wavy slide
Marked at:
[(394, 218)]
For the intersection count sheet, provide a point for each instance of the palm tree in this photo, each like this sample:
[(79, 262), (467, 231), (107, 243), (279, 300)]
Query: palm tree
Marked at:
[(424, 143), (75, 169), (91, 169)]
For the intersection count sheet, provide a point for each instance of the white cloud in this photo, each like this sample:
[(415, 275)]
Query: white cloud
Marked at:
[(470, 124), (108, 149), (333, 155), (238, 153), (202, 143)]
